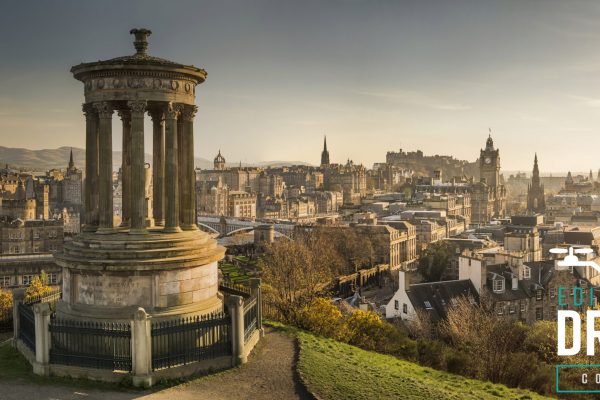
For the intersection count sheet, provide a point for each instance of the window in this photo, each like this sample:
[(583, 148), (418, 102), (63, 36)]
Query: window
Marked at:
[(36, 249), (511, 309), (36, 234), (538, 313), (526, 272), (428, 305), (52, 279), (404, 308), (553, 292), (538, 294), (499, 308), (523, 306), (4, 281), (498, 285), (396, 305), (27, 279)]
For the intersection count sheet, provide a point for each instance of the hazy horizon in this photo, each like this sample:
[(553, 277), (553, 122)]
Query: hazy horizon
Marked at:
[(372, 76)]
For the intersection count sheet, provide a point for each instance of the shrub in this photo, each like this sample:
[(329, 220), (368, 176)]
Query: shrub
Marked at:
[(322, 317), (38, 287), (6, 300)]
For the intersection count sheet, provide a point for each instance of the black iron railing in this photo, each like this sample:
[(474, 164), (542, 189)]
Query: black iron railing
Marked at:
[(91, 344), (250, 317), (188, 340), (6, 320), (26, 326), (52, 298), (234, 288)]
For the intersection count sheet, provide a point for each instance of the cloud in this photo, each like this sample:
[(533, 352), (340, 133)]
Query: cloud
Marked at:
[(417, 99), (586, 101)]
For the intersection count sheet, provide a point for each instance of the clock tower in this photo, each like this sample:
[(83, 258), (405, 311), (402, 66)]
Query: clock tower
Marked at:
[(489, 164)]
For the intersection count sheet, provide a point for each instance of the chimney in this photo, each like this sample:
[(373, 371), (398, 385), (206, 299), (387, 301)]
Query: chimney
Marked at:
[(515, 282), (403, 281)]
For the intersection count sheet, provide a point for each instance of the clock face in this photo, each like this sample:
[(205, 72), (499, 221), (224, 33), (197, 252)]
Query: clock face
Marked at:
[(488, 160)]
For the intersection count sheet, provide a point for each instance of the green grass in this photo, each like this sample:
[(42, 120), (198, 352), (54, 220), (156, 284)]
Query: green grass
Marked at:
[(237, 275), (15, 368), (334, 370)]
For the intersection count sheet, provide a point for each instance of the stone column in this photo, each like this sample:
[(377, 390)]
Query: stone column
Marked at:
[(138, 175), (18, 297), (105, 201), (141, 349), (189, 182), (236, 310), (171, 169), (158, 166), (41, 317), (126, 168), (182, 162), (90, 197), (256, 291)]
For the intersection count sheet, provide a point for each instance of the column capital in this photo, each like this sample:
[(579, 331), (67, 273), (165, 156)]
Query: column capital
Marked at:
[(173, 110), (125, 115), (88, 110), (104, 109), (137, 106), (156, 114), (189, 112)]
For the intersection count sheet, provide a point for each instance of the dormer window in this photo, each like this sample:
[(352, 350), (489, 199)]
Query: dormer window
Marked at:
[(428, 305), (498, 285), (526, 272)]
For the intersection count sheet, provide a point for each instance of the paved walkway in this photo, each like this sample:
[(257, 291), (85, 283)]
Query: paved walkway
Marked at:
[(270, 374)]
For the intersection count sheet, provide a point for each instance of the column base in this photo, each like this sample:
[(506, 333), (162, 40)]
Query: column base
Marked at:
[(138, 231), (191, 227), (90, 228), (105, 231), (159, 222), (172, 229)]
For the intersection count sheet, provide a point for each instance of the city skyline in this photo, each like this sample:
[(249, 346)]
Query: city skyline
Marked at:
[(276, 86)]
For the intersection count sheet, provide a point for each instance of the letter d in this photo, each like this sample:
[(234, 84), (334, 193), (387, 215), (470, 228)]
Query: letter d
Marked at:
[(562, 327)]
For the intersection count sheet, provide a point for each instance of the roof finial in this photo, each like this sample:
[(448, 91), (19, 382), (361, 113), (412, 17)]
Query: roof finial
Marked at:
[(141, 40)]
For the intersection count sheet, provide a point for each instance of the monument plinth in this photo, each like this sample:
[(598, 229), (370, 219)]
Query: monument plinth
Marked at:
[(170, 267)]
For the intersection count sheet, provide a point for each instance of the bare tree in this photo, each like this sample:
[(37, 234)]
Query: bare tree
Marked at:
[(296, 272)]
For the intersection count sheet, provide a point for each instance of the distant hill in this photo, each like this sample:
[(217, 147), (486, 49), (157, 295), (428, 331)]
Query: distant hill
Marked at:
[(45, 159)]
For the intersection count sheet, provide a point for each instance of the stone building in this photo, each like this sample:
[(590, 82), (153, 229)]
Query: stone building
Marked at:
[(29, 237), (241, 204), (19, 270), (525, 291)]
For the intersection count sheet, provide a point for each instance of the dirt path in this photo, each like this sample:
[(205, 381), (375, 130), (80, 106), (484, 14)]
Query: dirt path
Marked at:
[(270, 374)]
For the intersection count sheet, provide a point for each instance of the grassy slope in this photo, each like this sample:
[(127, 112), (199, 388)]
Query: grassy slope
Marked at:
[(334, 370)]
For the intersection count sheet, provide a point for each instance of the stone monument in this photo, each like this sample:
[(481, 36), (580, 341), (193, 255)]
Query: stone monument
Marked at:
[(161, 262)]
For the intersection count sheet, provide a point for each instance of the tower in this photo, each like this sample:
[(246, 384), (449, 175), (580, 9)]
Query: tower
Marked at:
[(536, 201), (489, 164), (219, 162), (71, 162), (325, 154)]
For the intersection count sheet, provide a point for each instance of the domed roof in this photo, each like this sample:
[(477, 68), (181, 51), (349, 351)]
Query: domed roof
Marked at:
[(219, 158), (139, 59)]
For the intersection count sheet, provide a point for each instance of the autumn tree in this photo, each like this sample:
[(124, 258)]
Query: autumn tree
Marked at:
[(6, 301), (489, 339), (297, 271), (38, 287)]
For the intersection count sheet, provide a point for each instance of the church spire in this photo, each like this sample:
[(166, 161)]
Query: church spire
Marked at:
[(325, 153), (71, 163)]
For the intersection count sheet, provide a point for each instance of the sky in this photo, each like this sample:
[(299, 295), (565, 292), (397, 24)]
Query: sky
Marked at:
[(372, 75)]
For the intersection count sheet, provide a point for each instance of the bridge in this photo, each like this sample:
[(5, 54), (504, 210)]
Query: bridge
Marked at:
[(230, 226)]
